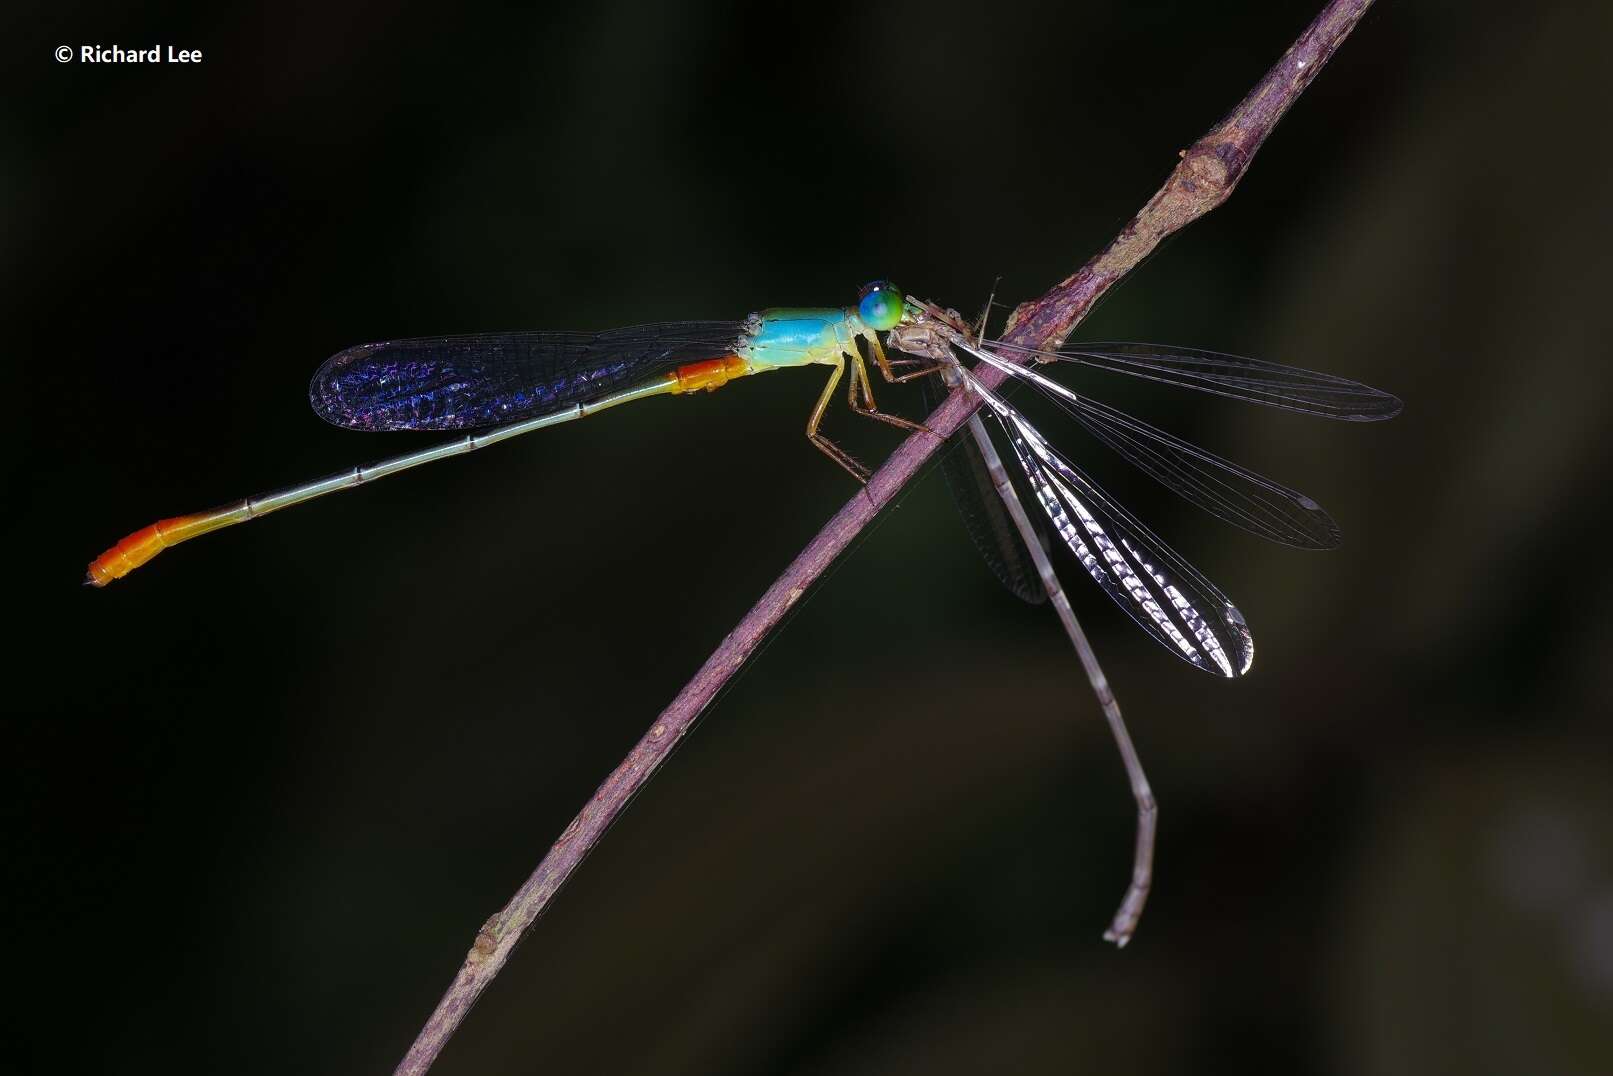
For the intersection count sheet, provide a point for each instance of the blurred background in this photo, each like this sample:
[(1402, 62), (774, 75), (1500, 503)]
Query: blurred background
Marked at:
[(260, 796)]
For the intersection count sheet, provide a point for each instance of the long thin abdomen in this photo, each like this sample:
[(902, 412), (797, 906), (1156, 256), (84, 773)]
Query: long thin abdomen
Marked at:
[(139, 547)]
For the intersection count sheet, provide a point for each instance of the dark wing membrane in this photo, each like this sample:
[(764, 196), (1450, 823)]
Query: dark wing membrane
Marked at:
[(984, 517), (1271, 384), (488, 379)]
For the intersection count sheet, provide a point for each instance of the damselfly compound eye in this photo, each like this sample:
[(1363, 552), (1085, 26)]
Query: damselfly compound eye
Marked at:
[(881, 305)]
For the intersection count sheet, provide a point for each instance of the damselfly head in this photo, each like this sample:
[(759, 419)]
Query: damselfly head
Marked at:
[(880, 305)]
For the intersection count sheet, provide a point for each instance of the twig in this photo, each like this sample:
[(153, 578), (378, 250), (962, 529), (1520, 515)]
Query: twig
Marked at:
[(1204, 178)]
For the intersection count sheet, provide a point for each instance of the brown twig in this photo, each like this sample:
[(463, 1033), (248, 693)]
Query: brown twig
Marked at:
[(1204, 178)]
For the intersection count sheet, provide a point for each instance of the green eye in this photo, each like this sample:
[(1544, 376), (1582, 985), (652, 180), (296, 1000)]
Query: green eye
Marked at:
[(880, 306)]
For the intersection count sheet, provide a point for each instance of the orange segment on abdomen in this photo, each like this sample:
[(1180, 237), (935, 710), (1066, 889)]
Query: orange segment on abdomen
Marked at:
[(710, 374)]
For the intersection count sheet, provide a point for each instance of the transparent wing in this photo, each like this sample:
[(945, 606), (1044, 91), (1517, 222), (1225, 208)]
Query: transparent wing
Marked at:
[(1163, 593), (1268, 383), (1225, 489)]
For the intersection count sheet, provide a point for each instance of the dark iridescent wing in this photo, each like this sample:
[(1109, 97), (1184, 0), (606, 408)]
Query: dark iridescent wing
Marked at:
[(984, 518), (1268, 383), (488, 379)]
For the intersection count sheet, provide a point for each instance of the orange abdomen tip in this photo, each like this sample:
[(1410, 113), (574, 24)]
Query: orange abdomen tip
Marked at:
[(127, 555), (147, 542)]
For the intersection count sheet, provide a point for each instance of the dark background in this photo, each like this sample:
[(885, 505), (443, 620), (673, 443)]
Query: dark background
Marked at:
[(261, 794)]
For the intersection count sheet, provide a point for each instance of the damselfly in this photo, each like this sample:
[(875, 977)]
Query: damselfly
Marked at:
[(1170, 599), (508, 384), (503, 385)]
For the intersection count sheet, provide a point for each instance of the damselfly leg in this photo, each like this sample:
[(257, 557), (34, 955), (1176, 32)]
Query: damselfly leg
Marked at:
[(814, 420)]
